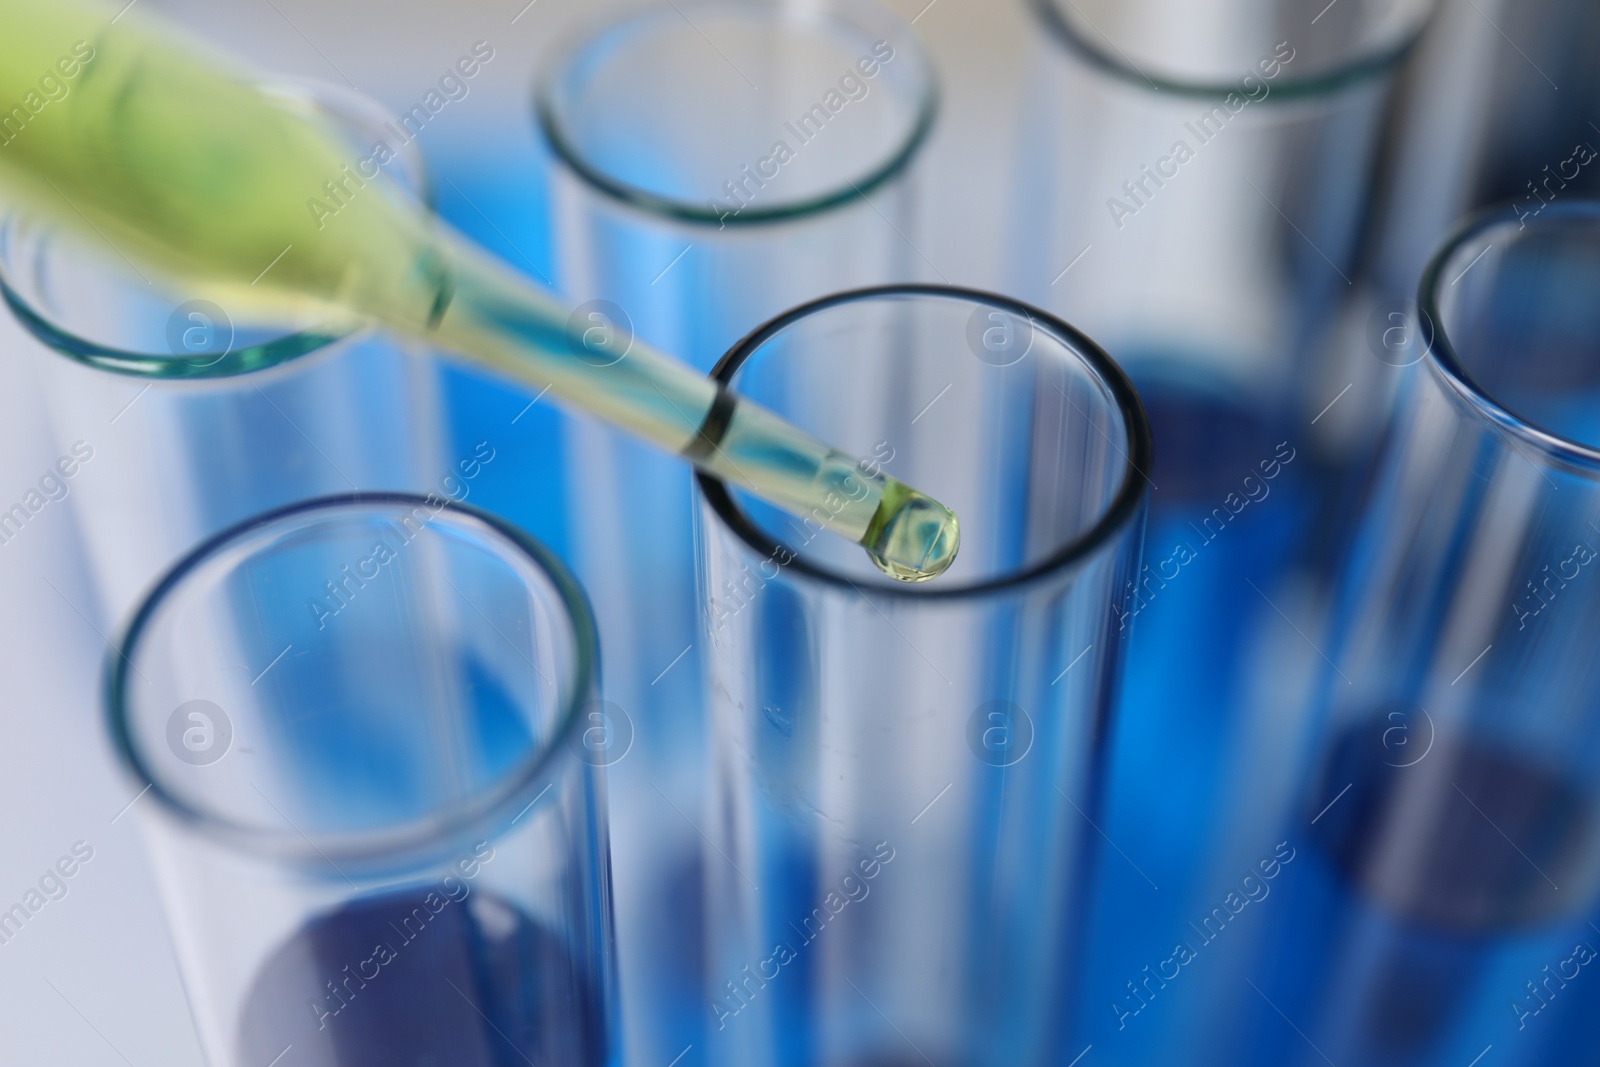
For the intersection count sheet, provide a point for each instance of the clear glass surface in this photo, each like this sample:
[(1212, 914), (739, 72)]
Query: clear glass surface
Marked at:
[(235, 414), (1193, 190), (356, 731), (904, 778), (1204, 49), (1455, 864), (1496, 107), (844, 89), (718, 163)]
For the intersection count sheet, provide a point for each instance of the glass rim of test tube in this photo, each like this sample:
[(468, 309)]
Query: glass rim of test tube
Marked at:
[(1121, 509), (352, 113), (512, 789), (1469, 243), (1377, 58), (574, 49)]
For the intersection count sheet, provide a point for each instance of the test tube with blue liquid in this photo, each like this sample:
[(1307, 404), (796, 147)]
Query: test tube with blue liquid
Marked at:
[(375, 832), (1452, 883), (1193, 187), (717, 163)]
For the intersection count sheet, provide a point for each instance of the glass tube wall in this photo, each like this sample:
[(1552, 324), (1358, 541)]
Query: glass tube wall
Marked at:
[(1193, 191), (1453, 868), (177, 418), (905, 777), (354, 730), (718, 163)]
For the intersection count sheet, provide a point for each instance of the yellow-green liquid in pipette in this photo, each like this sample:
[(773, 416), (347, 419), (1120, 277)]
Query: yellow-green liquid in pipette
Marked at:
[(141, 136)]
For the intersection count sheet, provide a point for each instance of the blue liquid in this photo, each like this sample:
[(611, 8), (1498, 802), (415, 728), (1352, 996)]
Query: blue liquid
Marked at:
[(1468, 877), (1416, 956), (475, 984), (1234, 523)]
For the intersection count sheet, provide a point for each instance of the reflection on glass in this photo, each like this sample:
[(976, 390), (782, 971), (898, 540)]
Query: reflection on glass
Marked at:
[(360, 724), (1492, 110), (718, 163), (1193, 189), (904, 778), (1455, 847), (233, 415)]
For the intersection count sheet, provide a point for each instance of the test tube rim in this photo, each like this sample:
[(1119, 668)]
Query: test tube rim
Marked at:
[(288, 348), (1376, 62), (1124, 507), (348, 109), (1441, 354), (412, 838), (550, 125)]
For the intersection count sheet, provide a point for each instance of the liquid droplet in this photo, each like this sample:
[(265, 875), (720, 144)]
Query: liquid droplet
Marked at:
[(913, 537)]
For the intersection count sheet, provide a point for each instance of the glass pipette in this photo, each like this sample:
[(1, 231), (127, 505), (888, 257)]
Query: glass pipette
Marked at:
[(116, 125)]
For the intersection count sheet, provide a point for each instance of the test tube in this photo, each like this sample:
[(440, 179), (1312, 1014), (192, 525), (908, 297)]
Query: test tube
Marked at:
[(904, 776), (353, 728), (1218, 153), (1196, 187), (1494, 104), (177, 417), (717, 163), (1454, 868)]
